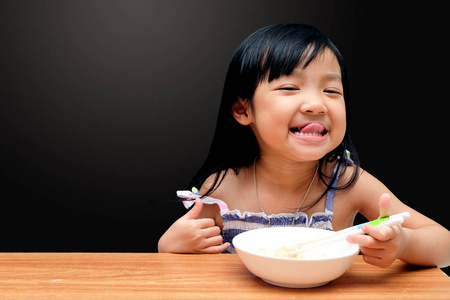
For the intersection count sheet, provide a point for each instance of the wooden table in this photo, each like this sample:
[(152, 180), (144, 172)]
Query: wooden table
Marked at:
[(178, 276)]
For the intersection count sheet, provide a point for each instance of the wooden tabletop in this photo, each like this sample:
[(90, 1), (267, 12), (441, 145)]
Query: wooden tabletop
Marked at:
[(182, 276)]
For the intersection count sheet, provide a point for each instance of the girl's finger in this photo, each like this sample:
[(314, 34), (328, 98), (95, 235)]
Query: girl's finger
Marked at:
[(375, 261), (211, 232), (205, 223), (364, 241), (216, 249), (380, 233), (385, 205)]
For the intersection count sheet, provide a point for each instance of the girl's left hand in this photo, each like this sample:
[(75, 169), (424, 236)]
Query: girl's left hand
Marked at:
[(382, 244)]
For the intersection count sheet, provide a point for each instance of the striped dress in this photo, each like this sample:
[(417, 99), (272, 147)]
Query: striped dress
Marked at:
[(236, 222)]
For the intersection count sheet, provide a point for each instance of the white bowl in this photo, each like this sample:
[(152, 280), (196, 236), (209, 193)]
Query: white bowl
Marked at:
[(317, 268)]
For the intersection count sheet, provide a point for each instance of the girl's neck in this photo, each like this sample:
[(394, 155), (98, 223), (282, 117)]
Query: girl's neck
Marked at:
[(285, 179)]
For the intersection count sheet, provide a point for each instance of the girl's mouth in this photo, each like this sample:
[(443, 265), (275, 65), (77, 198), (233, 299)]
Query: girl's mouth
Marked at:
[(310, 129)]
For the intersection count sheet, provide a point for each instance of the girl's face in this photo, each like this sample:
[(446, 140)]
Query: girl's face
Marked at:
[(300, 117)]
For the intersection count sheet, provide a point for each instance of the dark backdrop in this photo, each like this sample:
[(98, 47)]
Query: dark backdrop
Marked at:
[(108, 107)]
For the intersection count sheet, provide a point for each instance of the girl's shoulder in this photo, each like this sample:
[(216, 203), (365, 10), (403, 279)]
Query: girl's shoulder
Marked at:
[(224, 180), (226, 191), (233, 186), (365, 193)]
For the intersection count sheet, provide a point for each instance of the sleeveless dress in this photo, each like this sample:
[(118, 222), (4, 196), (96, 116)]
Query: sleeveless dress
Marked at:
[(236, 222)]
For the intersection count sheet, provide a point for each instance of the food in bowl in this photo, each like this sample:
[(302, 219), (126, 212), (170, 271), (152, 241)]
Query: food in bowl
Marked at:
[(283, 251), (263, 252)]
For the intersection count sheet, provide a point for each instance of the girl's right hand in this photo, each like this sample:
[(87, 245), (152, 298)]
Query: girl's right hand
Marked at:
[(191, 235)]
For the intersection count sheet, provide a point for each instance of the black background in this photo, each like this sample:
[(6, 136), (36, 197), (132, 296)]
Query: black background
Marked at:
[(108, 107)]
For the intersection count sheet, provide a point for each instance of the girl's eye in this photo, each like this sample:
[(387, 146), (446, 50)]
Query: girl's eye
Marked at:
[(328, 91), (288, 88)]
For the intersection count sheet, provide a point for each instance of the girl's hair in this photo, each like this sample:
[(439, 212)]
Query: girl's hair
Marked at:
[(269, 53)]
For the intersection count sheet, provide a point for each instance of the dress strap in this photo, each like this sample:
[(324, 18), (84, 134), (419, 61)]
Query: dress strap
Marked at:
[(332, 190), (330, 196)]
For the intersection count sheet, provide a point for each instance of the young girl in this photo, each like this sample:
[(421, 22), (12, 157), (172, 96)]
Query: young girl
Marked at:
[(280, 156)]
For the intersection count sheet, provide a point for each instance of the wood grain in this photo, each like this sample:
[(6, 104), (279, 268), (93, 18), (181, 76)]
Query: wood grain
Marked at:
[(175, 276)]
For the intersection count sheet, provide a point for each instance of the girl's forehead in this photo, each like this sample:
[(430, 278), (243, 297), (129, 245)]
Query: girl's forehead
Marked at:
[(326, 58), (325, 62)]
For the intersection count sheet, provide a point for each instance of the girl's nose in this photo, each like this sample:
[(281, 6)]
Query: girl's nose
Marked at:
[(313, 105)]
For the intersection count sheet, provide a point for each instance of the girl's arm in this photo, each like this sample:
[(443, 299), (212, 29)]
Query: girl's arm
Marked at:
[(421, 241)]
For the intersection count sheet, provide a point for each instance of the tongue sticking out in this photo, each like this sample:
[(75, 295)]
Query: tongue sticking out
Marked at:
[(313, 128)]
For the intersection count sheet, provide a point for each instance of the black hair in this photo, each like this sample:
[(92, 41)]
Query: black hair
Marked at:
[(269, 53)]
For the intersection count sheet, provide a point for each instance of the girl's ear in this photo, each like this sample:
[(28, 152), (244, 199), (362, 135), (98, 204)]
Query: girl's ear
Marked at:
[(242, 112)]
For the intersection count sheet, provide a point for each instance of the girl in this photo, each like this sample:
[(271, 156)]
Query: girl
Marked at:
[(280, 157)]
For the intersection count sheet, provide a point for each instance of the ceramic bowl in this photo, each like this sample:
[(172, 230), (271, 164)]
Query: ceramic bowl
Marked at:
[(257, 248)]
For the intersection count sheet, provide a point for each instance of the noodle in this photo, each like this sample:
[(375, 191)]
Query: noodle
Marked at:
[(283, 252)]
